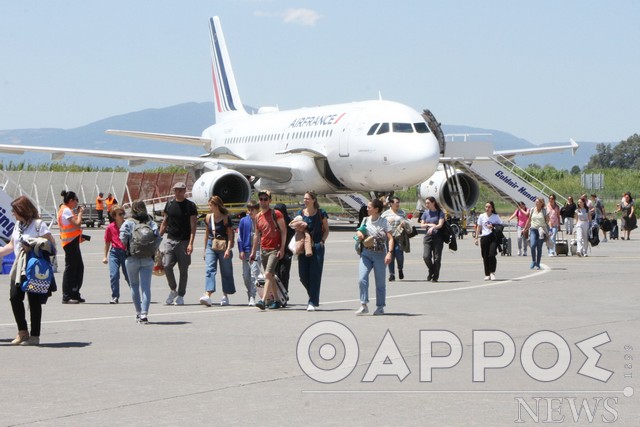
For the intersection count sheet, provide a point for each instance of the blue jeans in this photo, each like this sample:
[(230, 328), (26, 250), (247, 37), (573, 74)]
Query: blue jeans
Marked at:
[(372, 260), (140, 270), (397, 254), (212, 258), (116, 261), (310, 271), (536, 246)]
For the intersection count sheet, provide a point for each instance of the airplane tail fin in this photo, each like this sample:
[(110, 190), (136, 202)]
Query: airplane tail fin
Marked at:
[(227, 99)]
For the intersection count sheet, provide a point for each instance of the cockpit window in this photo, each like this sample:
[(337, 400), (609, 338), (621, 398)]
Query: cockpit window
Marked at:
[(384, 128), (373, 128), (421, 127), (402, 127)]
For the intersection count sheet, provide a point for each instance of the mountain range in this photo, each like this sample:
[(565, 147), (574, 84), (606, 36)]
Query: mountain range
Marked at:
[(192, 118)]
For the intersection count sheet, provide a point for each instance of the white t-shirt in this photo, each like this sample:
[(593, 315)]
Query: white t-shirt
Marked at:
[(31, 231), (483, 220)]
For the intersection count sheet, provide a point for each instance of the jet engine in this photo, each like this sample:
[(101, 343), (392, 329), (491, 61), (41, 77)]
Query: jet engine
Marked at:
[(231, 186), (443, 189)]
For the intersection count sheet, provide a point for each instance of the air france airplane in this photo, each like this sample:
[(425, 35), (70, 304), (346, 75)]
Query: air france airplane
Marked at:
[(367, 146)]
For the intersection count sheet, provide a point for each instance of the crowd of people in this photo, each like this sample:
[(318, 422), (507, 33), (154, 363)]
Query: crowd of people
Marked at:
[(267, 239)]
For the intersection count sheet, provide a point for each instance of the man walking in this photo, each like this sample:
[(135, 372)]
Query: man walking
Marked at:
[(179, 224), (271, 233)]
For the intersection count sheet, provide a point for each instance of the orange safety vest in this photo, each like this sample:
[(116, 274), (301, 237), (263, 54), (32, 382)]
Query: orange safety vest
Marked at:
[(67, 232), (99, 203), (110, 201)]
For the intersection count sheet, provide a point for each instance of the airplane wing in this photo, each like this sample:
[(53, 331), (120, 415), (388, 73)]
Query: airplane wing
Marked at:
[(180, 139), (277, 172), (510, 154)]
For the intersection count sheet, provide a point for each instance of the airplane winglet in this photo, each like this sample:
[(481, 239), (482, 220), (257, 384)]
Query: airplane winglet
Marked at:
[(574, 146)]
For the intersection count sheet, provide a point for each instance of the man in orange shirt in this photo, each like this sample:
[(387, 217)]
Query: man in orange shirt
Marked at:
[(110, 201), (100, 208)]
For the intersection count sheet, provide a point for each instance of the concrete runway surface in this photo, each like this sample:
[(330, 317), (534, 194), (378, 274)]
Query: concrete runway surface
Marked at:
[(461, 352)]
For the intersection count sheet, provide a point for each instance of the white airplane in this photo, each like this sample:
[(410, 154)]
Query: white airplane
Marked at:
[(374, 145)]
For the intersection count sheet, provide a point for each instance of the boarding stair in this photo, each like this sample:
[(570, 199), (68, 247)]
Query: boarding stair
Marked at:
[(508, 179)]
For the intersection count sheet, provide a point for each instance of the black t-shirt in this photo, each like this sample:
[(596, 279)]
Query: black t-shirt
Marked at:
[(179, 218)]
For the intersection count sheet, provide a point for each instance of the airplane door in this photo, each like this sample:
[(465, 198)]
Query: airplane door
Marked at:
[(348, 128)]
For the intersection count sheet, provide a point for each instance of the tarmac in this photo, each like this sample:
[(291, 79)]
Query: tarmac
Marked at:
[(460, 352)]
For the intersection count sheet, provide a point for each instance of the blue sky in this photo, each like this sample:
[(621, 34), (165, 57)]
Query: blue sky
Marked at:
[(545, 70)]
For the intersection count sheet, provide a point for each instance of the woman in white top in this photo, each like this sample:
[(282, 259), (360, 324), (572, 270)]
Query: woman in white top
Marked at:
[(537, 221), (583, 218), (488, 241), (28, 224), (397, 219), (376, 257)]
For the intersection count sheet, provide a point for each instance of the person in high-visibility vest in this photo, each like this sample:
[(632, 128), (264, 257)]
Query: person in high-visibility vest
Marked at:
[(100, 208), (110, 201), (70, 223)]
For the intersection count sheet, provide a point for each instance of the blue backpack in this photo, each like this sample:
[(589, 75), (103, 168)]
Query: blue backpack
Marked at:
[(39, 274)]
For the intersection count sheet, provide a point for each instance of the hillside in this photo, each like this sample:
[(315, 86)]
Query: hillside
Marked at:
[(192, 118)]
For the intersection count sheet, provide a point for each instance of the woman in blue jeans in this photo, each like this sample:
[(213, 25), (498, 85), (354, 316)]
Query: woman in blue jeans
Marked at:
[(315, 222), (537, 220), (220, 229), (139, 269), (375, 256)]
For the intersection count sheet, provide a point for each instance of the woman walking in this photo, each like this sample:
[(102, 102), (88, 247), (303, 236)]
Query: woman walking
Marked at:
[(218, 242), (115, 253), (537, 227), (28, 224), (432, 220), (397, 219), (629, 221), (488, 241), (314, 222), (374, 256), (139, 269), (583, 218), (70, 222), (522, 214)]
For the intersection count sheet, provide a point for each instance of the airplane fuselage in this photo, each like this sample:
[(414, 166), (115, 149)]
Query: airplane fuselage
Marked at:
[(359, 146)]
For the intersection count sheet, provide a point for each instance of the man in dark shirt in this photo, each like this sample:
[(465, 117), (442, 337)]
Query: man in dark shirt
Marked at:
[(179, 223)]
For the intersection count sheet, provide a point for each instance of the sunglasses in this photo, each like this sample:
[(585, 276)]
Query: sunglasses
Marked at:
[(263, 199), (120, 214)]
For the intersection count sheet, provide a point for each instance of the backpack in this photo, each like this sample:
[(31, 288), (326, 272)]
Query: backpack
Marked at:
[(593, 235), (39, 274), (143, 240)]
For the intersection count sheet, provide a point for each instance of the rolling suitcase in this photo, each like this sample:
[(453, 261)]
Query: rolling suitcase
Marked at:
[(506, 243), (281, 294), (613, 234), (562, 245)]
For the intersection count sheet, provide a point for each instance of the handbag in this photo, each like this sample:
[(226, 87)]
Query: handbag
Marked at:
[(525, 233), (219, 245), (368, 242)]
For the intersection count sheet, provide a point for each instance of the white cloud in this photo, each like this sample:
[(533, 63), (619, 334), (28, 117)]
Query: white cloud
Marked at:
[(301, 16)]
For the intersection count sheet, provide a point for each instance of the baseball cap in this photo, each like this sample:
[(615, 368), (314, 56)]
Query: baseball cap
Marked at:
[(180, 185)]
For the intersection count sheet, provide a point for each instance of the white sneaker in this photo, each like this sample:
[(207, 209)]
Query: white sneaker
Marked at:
[(224, 300), (205, 300), (252, 302), (487, 277), (379, 311), (362, 310), (604, 240), (519, 253), (179, 300), (172, 296), (310, 307), (492, 276)]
